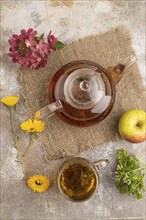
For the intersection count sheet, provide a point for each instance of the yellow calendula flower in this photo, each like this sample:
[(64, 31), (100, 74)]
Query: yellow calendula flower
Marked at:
[(10, 101), (38, 183), (33, 125)]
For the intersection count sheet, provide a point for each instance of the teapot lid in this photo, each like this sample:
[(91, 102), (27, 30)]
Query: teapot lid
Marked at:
[(84, 88)]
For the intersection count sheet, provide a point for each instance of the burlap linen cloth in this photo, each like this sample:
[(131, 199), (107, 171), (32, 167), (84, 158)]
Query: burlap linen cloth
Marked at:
[(106, 49)]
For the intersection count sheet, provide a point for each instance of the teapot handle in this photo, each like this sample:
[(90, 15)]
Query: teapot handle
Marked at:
[(117, 71), (48, 110)]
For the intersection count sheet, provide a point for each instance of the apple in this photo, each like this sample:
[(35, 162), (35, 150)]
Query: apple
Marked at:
[(132, 126)]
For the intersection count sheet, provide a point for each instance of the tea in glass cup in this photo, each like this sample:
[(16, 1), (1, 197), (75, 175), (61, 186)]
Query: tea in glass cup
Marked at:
[(78, 179)]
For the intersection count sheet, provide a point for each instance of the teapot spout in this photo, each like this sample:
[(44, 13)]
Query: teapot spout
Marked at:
[(117, 71)]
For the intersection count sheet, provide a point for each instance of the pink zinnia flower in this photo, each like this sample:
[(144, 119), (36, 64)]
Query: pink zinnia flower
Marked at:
[(20, 46), (29, 50)]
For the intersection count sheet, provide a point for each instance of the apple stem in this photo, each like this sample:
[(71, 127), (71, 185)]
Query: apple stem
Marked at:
[(139, 124)]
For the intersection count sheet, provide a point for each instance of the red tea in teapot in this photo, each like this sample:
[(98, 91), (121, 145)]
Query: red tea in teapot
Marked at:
[(85, 93)]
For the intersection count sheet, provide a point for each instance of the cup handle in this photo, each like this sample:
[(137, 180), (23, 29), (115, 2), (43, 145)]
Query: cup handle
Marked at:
[(48, 110), (101, 163)]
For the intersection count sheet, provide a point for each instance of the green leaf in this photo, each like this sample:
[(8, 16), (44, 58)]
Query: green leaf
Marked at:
[(36, 39), (139, 195), (140, 159), (42, 36), (59, 45)]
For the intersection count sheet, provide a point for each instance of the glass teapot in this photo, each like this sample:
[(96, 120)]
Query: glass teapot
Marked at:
[(82, 93)]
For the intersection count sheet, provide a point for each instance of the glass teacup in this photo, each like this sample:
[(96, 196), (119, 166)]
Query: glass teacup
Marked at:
[(78, 178)]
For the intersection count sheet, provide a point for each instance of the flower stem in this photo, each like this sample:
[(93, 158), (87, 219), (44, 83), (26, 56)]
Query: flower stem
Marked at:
[(16, 137), (13, 127), (29, 146)]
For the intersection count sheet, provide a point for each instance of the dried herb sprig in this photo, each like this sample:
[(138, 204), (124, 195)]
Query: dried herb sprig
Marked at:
[(130, 174)]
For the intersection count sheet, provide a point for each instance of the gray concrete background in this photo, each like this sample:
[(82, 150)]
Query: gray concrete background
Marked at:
[(68, 20)]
